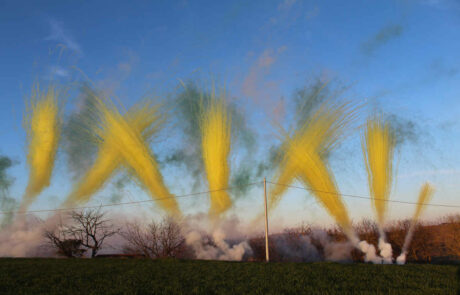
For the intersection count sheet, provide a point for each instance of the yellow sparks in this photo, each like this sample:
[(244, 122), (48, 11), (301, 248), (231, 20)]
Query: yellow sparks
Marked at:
[(145, 119), (43, 131), (215, 143), (378, 148)]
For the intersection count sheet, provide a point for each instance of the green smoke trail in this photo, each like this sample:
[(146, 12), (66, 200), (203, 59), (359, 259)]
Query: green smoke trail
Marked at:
[(188, 103), (7, 203)]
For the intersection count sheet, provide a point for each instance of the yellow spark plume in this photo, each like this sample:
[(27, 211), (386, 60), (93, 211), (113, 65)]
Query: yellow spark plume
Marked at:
[(315, 174), (215, 143), (143, 118), (378, 147), (319, 135), (43, 131), (426, 192), (128, 142)]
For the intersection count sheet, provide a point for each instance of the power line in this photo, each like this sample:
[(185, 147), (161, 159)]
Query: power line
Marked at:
[(127, 203), (223, 189), (366, 197)]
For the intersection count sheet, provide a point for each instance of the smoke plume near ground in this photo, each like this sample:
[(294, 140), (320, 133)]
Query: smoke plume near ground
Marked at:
[(211, 240), (25, 237), (316, 245)]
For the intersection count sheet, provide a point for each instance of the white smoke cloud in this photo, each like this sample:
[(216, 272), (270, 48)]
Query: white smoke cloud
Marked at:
[(212, 240), (207, 239), (333, 251), (385, 251), (298, 250), (410, 233), (218, 248), (25, 238), (370, 255)]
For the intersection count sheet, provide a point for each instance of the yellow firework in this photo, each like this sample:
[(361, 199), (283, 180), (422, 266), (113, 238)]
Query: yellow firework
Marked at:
[(144, 118), (215, 144), (378, 148), (129, 143), (43, 130)]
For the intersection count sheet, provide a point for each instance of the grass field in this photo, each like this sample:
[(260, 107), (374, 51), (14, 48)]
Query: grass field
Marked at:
[(139, 276)]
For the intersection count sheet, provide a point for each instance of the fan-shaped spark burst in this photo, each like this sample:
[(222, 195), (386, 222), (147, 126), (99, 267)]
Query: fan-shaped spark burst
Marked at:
[(43, 130), (143, 118), (129, 143), (215, 143), (318, 135), (378, 148)]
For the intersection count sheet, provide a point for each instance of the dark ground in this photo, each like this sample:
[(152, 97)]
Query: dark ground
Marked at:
[(142, 276)]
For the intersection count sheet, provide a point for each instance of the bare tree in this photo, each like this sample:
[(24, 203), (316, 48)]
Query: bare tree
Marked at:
[(63, 242), (91, 227), (155, 240)]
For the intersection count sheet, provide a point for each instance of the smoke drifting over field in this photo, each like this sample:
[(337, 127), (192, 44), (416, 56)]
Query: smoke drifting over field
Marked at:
[(220, 240)]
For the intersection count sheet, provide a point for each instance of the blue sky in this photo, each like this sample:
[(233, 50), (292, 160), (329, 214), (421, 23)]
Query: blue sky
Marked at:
[(402, 57)]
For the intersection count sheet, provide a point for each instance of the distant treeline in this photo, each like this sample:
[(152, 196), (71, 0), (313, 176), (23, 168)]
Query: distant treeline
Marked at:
[(435, 242)]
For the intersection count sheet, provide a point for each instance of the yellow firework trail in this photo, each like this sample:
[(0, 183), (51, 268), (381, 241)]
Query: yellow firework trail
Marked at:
[(215, 144), (145, 118), (378, 147), (426, 192), (128, 142), (317, 136), (316, 175), (43, 130)]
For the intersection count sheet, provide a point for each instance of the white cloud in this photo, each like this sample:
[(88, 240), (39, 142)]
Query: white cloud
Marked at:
[(60, 35), (54, 72), (60, 71)]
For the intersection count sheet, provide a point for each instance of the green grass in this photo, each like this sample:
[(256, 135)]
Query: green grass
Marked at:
[(132, 276)]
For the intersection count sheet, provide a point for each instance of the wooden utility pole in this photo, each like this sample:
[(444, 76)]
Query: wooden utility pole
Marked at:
[(267, 256)]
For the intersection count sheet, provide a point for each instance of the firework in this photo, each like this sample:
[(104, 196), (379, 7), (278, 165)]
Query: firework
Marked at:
[(215, 142), (43, 128)]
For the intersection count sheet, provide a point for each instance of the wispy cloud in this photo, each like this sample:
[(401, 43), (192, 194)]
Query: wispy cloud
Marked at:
[(254, 84), (286, 4), (426, 173), (60, 35), (442, 4), (114, 76), (382, 37), (57, 72), (258, 86), (289, 12), (439, 69)]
